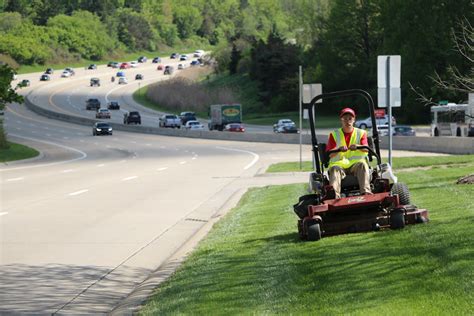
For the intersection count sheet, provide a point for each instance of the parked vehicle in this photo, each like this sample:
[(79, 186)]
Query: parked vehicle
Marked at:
[(403, 130), (187, 116), (452, 119), (234, 127), (198, 53), (170, 120), (223, 114), (101, 128), (102, 114), (45, 77), (92, 104), (132, 117), (194, 126), (113, 105), (194, 63), (95, 82)]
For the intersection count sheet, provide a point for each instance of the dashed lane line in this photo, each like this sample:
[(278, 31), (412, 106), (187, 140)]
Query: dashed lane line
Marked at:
[(78, 192)]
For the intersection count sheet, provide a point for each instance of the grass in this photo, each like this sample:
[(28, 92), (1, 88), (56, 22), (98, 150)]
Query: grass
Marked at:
[(398, 163), (252, 262), (17, 152)]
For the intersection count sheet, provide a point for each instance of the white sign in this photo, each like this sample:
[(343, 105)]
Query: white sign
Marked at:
[(306, 114), (312, 90), (389, 83)]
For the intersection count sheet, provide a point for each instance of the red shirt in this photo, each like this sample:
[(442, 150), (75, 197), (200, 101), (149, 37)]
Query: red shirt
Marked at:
[(347, 136)]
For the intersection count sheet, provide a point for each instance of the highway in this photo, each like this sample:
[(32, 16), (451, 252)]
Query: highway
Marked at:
[(84, 224)]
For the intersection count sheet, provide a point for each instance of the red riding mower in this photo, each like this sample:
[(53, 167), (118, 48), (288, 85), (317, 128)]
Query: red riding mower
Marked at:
[(322, 215)]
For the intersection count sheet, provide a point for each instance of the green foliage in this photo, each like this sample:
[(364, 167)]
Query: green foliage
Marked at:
[(187, 20), (135, 31), (7, 95)]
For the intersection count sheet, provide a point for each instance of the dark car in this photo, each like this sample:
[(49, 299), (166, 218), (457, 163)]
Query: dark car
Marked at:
[(24, 83), (92, 104), (92, 67), (195, 63), (403, 130), (49, 71), (132, 117), (101, 128), (234, 127), (288, 129), (168, 70), (156, 60), (45, 77), (113, 105), (174, 55), (187, 116), (142, 59), (139, 77), (95, 82)]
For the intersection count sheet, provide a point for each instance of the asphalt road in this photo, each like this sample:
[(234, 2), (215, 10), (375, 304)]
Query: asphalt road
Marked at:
[(90, 219)]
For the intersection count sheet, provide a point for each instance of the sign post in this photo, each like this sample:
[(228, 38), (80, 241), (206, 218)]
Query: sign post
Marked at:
[(389, 93)]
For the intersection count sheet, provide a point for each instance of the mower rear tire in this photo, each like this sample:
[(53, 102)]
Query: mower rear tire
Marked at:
[(314, 231), (403, 193), (397, 219)]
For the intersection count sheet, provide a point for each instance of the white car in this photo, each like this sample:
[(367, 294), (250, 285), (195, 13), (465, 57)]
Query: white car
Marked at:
[(134, 64), (181, 66), (198, 53), (367, 123), (281, 123), (65, 74), (194, 126), (122, 80)]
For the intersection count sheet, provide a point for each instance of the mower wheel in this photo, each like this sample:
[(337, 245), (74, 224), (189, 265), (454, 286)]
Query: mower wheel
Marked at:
[(314, 231), (397, 219), (403, 194)]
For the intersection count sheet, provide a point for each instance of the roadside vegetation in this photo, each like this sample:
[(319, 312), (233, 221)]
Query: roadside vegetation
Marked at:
[(14, 151), (252, 261)]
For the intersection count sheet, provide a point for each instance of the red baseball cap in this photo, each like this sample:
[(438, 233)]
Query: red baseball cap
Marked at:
[(346, 111)]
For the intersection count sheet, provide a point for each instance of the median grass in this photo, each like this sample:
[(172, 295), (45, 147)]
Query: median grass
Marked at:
[(16, 152), (252, 261)]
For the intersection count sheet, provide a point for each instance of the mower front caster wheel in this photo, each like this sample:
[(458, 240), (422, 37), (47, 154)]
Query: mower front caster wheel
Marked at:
[(397, 219), (314, 232)]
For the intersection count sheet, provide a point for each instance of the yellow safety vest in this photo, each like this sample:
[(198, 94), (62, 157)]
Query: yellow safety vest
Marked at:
[(347, 159)]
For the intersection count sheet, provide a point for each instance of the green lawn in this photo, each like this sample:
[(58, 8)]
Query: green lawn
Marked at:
[(252, 261), (17, 152)]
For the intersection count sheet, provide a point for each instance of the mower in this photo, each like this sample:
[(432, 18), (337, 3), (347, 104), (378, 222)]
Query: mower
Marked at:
[(321, 214)]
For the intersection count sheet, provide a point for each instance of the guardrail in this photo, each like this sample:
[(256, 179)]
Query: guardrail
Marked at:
[(448, 145)]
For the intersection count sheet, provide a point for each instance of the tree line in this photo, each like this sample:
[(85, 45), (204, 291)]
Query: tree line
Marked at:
[(337, 42)]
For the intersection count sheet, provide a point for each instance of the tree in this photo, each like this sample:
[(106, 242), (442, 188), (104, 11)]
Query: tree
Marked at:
[(7, 95)]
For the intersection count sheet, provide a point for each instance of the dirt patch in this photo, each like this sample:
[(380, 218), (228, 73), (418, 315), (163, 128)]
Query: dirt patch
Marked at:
[(466, 179)]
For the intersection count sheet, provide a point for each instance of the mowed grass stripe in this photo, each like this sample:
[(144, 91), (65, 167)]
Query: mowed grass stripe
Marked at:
[(252, 262)]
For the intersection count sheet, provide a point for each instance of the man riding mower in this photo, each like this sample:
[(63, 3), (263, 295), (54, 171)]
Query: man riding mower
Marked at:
[(355, 197)]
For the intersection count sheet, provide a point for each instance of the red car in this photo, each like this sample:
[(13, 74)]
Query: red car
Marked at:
[(124, 65), (234, 127), (160, 67)]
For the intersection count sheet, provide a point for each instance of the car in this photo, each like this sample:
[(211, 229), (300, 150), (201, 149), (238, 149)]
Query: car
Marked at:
[(367, 123), (92, 104), (49, 71), (234, 127), (282, 122), (15, 76), (194, 125), (111, 63), (70, 70), (132, 117), (194, 63), (156, 60), (180, 66), (102, 114), (120, 74), (183, 57), (124, 65), (65, 74), (174, 55), (2, 112), (134, 64), (168, 70), (122, 80), (403, 130), (45, 77), (160, 67), (139, 77), (101, 128), (187, 116), (24, 83), (288, 129), (95, 82), (198, 53), (142, 59), (113, 105), (92, 67), (383, 130), (115, 64), (170, 120)]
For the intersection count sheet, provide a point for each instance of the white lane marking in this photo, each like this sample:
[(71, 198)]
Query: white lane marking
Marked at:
[(182, 162), (78, 192), (83, 154), (161, 169), (129, 178), (255, 159), (3, 213), (67, 170), (193, 158), (101, 165), (15, 179)]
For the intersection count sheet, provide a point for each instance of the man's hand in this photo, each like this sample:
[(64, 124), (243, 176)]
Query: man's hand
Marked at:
[(353, 147), (343, 148)]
